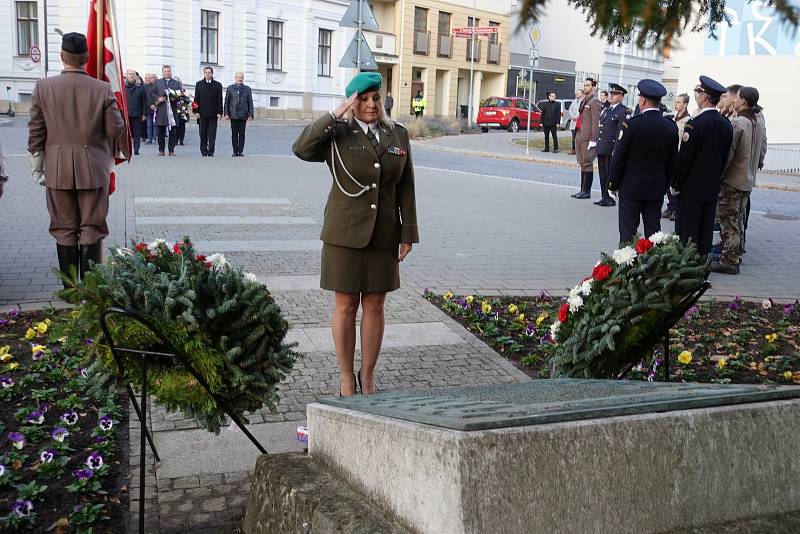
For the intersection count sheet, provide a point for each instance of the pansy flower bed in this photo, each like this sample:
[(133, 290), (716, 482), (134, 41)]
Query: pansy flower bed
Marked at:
[(734, 341), (63, 456)]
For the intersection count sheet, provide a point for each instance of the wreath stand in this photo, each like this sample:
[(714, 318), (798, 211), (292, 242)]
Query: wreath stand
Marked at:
[(661, 331), (173, 355)]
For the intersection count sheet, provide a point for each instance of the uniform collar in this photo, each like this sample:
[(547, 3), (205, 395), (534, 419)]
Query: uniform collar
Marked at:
[(365, 127), (707, 109), (76, 70)]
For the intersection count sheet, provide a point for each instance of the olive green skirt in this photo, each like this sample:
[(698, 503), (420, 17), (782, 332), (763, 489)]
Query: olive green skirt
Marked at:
[(359, 270)]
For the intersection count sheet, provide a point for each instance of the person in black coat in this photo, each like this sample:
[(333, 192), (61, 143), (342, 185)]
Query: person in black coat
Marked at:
[(166, 113), (136, 100), (551, 116), (611, 119), (208, 106), (239, 109), (643, 163), (705, 143)]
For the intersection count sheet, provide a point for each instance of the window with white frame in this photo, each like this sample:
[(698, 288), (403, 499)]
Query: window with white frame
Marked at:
[(209, 36), (274, 45), (27, 27), (324, 52)]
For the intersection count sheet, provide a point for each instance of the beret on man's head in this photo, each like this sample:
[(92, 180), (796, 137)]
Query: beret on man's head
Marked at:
[(363, 82), (74, 43)]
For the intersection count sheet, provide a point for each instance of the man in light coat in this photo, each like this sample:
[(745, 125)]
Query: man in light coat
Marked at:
[(574, 113), (74, 123)]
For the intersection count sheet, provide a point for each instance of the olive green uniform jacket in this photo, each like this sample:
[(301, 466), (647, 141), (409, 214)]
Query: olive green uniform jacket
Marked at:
[(385, 214)]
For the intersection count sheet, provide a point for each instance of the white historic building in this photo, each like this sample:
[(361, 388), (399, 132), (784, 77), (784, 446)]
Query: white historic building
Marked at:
[(289, 50)]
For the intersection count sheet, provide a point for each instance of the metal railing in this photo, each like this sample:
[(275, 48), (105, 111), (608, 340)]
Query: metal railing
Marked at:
[(445, 46), (493, 55), (783, 158), (422, 42), (477, 50)]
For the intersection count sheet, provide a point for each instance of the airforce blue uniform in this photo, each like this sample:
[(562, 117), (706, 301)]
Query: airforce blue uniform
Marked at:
[(705, 144), (611, 119)]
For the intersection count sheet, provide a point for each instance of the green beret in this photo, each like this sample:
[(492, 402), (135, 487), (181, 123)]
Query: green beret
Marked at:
[(363, 82)]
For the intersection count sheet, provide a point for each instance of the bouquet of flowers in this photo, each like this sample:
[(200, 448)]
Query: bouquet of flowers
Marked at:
[(183, 103), (601, 326), (222, 319)]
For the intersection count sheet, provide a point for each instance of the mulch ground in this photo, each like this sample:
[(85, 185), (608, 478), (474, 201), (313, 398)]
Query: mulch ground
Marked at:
[(721, 342), (53, 384)]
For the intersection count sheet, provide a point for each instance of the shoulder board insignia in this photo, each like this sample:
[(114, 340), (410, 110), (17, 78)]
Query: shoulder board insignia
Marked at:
[(624, 124), (688, 125), (400, 124)]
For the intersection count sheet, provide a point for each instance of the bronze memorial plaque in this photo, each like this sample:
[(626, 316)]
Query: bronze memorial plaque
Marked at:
[(555, 400)]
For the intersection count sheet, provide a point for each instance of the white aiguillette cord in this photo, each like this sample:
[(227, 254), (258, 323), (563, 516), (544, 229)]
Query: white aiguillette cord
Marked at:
[(335, 154)]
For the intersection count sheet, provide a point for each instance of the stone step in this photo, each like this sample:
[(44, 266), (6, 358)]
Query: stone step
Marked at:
[(293, 492)]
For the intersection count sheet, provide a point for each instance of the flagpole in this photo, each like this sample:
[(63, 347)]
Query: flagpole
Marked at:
[(100, 7)]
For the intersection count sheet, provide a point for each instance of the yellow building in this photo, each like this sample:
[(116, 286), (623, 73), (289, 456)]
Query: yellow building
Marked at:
[(415, 50)]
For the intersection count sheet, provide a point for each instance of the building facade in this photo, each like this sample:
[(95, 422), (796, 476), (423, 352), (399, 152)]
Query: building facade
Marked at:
[(289, 51), (568, 54)]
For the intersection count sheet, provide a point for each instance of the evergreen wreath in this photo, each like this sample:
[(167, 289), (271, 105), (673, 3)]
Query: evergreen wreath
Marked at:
[(601, 325), (224, 320)]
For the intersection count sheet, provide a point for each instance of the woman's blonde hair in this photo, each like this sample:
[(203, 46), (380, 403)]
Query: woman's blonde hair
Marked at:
[(384, 121)]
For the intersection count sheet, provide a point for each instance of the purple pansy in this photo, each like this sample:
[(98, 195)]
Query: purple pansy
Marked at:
[(6, 382), (35, 418), (82, 371), (88, 341), (37, 355), (2, 470), (694, 310), (59, 434), (17, 440), (44, 407), (22, 508), (14, 312), (47, 456), (106, 423), (3, 322), (94, 461), (788, 310), (100, 440), (70, 417), (83, 474)]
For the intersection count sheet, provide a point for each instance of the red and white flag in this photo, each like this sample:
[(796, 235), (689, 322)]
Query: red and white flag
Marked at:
[(105, 63)]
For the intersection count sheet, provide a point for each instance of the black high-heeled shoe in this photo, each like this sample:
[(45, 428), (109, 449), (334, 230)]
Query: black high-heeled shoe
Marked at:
[(358, 377), (354, 379)]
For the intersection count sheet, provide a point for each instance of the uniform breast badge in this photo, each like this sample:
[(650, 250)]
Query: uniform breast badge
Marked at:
[(396, 151)]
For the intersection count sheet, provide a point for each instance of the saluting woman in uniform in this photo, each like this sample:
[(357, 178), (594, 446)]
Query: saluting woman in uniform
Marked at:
[(370, 219)]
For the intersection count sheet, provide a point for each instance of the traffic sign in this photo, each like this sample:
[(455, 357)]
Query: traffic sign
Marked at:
[(351, 18), (353, 55), (36, 54), (535, 35), (462, 32), (468, 31)]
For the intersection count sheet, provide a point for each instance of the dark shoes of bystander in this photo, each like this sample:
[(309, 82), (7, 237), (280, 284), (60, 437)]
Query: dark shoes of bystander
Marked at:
[(717, 267)]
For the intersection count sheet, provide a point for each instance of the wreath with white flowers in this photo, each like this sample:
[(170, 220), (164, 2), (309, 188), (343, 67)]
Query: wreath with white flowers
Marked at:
[(605, 318)]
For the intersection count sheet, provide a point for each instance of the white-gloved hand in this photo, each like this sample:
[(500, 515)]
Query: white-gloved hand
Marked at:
[(37, 167), (592, 144), (674, 192)]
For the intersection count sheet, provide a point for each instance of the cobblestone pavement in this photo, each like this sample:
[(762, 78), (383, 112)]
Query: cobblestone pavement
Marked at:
[(487, 226)]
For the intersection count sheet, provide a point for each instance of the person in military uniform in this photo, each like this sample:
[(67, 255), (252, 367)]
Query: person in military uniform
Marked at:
[(738, 179), (611, 119), (73, 127), (705, 144), (644, 163), (588, 128), (370, 218)]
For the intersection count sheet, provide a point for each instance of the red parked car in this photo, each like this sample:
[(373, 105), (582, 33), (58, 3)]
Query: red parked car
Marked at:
[(507, 112)]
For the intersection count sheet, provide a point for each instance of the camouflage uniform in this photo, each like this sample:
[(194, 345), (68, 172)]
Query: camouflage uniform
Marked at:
[(731, 209)]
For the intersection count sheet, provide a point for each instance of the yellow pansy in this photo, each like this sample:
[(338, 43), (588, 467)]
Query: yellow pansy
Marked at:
[(30, 334), (542, 318), (722, 362), (771, 338), (4, 349), (37, 348), (470, 299), (787, 375), (448, 295), (512, 309), (521, 318), (6, 358), (74, 314), (62, 339), (486, 307), (685, 357), (48, 321), (41, 327), (13, 366)]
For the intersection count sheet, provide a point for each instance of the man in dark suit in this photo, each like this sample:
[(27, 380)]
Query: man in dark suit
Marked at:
[(136, 100), (239, 109), (208, 100), (644, 163), (705, 143), (611, 119), (73, 128), (166, 110), (551, 116)]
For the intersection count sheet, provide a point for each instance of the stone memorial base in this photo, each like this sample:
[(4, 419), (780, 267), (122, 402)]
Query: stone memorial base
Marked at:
[(566, 456)]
